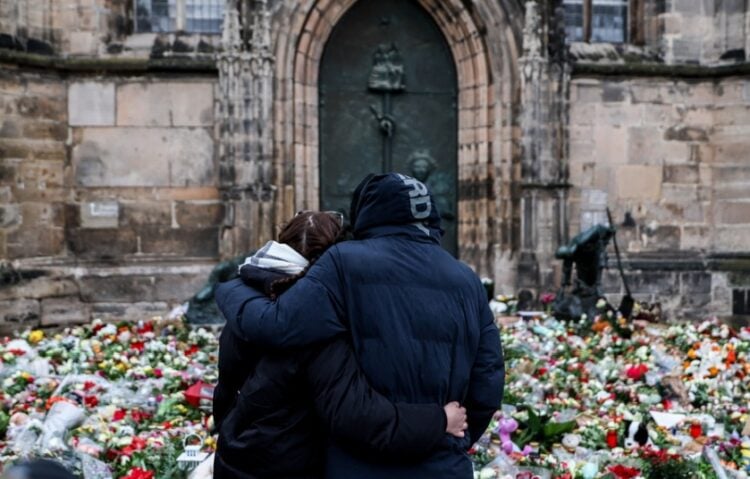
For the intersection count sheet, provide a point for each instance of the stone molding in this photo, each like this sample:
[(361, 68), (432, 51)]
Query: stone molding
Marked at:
[(631, 70), (110, 65)]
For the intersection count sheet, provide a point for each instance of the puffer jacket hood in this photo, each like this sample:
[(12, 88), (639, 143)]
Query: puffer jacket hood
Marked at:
[(393, 203)]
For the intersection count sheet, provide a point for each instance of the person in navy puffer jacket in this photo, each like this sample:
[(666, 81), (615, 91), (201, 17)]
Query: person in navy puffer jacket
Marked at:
[(419, 320)]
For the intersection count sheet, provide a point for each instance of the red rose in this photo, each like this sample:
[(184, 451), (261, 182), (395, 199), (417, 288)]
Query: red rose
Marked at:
[(624, 472), (119, 415), (138, 473), (146, 328), (138, 443), (139, 416), (636, 372), (91, 401), (137, 345)]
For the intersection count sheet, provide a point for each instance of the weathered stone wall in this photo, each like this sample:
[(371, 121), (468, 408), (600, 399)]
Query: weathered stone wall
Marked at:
[(705, 31), (108, 194), (111, 204), (86, 28), (669, 157), (32, 165)]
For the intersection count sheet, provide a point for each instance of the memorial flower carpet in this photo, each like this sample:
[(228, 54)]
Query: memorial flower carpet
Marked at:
[(591, 399)]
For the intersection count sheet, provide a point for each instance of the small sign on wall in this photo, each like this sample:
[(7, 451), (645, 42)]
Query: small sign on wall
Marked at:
[(593, 208), (100, 214)]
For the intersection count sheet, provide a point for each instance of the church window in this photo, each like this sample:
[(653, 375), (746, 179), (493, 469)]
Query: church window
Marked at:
[(597, 20), (192, 16)]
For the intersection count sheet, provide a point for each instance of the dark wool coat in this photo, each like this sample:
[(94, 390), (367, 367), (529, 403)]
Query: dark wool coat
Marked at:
[(419, 321), (275, 409)]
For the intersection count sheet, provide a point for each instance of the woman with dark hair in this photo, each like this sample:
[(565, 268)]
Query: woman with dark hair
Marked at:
[(275, 410)]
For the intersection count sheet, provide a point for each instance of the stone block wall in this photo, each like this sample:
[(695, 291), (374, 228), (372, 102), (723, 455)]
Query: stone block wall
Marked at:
[(669, 157), (86, 28), (33, 157), (108, 195), (109, 199)]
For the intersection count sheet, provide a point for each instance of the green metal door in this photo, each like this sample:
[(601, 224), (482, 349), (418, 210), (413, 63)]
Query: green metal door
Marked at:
[(388, 103)]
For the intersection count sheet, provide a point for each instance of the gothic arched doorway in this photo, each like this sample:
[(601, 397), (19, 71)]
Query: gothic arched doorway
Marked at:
[(387, 102)]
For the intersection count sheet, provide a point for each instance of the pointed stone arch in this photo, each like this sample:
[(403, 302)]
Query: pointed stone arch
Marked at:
[(484, 38)]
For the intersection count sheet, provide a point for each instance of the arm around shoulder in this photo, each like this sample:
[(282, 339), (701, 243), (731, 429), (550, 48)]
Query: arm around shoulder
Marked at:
[(308, 312)]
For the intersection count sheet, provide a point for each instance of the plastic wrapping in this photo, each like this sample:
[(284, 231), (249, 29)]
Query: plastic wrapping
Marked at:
[(88, 447), (710, 455), (533, 473), (128, 394), (80, 379), (61, 417), (92, 468), (666, 362), (501, 466), (23, 436)]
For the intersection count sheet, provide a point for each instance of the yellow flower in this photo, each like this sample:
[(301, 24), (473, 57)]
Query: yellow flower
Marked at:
[(211, 442), (36, 336)]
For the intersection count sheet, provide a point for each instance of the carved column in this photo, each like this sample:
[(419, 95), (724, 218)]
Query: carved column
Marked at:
[(245, 121), (544, 80)]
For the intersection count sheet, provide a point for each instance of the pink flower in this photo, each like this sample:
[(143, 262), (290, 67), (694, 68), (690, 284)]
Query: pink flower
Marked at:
[(547, 298)]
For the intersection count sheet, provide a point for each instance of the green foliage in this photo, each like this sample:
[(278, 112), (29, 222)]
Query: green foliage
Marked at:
[(163, 461), (540, 429), (511, 399), (673, 469), (4, 421), (514, 353), (702, 397)]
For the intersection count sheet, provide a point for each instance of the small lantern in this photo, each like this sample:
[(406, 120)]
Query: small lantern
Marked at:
[(192, 455), (200, 395)]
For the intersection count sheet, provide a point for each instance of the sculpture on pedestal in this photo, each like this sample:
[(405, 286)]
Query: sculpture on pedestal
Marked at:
[(588, 253)]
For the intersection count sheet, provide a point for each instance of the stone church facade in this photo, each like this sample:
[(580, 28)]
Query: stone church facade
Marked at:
[(141, 141)]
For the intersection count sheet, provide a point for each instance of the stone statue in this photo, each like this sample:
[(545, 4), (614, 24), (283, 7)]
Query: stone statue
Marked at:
[(588, 252), (423, 167), (387, 69), (202, 307)]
